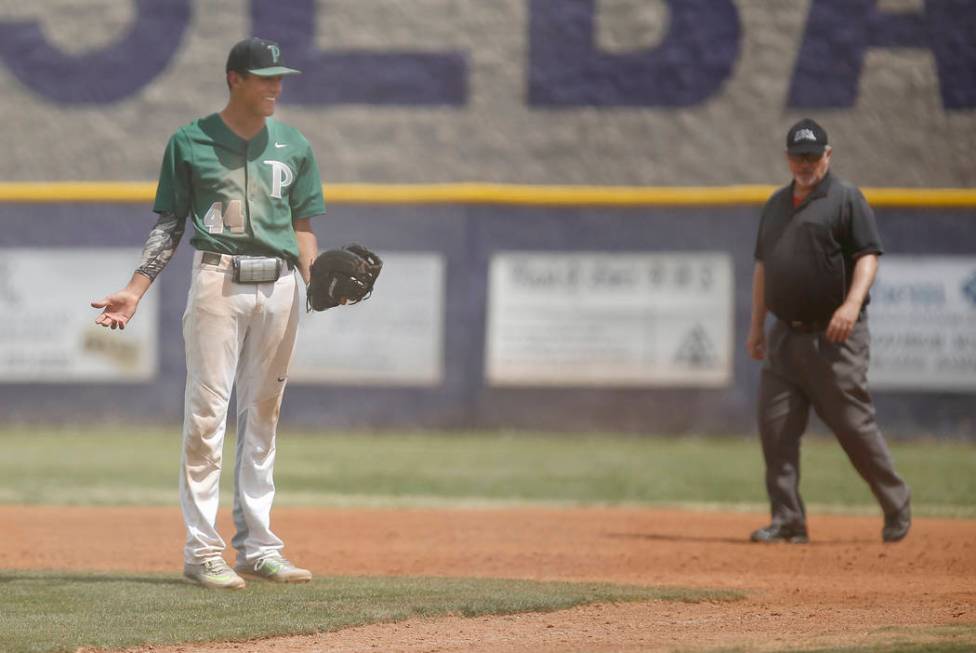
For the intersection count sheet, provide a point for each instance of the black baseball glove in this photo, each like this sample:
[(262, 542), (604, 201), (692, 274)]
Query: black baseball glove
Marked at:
[(342, 276)]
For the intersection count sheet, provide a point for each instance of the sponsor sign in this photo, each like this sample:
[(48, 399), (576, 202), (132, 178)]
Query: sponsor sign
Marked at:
[(923, 324), (599, 319), (49, 334), (396, 337)]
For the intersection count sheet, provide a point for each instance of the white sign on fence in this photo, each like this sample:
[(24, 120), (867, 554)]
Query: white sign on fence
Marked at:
[(923, 324), (393, 338), (601, 319), (49, 335)]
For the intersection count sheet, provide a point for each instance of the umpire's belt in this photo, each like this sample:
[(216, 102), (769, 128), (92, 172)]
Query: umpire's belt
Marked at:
[(799, 326), (805, 327)]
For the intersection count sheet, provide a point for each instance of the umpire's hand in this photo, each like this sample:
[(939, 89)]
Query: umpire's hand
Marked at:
[(842, 322), (756, 344)]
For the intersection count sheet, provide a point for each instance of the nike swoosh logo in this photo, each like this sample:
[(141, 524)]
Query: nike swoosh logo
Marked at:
[(280, 145), (281, 379)]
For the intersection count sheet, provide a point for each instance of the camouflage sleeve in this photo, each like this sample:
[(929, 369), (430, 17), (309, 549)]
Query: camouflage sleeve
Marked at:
[(161, 244)]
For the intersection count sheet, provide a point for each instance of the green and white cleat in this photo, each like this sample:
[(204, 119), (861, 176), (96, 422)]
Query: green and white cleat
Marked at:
[(214, 574), (275, 568)]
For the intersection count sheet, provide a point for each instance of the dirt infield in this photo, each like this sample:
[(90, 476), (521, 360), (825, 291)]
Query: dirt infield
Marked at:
[(846, 587)]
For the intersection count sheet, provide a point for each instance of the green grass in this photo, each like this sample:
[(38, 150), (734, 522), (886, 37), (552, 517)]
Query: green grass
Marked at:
[(952, 639), (47, 612), (117, 466), (935, 639), (963, 646), (139, 466), (927, 647)]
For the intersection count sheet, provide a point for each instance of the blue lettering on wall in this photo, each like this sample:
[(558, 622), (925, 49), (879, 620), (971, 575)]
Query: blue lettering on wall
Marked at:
[(107, 75), (838, 33), (356, 77), (567, 69)]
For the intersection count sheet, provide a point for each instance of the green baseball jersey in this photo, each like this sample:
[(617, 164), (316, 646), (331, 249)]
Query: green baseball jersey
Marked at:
[(241, 196)]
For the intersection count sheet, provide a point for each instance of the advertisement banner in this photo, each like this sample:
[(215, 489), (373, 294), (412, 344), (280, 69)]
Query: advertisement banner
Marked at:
[(599, 319), (923, 324), (396, 337), (50, 335)]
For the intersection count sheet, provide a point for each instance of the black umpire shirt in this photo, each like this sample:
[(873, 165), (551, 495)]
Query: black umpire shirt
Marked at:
[(808, 252)]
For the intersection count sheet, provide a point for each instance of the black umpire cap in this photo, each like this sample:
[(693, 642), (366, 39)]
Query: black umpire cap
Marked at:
[(806, 137), (258, 57)]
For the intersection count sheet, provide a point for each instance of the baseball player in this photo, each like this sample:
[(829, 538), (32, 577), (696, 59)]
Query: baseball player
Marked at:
[(816, 258), (249, 186)]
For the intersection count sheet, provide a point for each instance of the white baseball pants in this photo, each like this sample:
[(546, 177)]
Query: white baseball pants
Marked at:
[(241, 333)]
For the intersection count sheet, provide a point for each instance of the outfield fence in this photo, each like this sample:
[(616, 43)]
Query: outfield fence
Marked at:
[(501, 306)]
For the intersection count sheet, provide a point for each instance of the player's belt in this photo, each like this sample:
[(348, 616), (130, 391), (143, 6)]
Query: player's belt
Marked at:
[(213, 258), (249, 269)]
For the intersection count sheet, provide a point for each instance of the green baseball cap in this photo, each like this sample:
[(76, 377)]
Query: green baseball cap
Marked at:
[(258, 57)]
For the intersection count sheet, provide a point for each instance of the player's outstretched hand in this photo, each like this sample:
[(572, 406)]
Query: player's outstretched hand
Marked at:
[(119, 309)]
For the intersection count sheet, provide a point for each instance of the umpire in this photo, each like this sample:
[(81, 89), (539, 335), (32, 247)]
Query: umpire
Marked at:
[(816, 257)]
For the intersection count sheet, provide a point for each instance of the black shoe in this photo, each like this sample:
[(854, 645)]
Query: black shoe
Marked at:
[(896, 526), (781, 533)]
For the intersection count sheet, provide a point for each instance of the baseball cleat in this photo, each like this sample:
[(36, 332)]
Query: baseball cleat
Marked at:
[(275, 568), (214, 574), (897, 525), (781, 533)]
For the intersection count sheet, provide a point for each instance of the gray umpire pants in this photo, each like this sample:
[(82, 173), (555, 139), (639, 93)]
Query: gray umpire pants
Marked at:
[(804, 370)]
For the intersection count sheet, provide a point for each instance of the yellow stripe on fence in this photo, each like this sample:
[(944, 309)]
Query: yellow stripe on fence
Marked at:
[(922, 197), (513, 194), (81, 191), (546, 195)]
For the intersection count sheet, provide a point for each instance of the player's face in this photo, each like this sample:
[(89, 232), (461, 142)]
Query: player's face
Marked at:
[(808, 169), (259, 95)]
